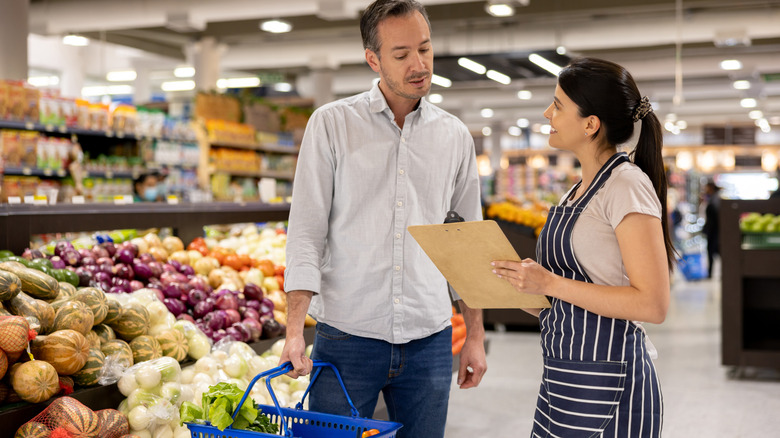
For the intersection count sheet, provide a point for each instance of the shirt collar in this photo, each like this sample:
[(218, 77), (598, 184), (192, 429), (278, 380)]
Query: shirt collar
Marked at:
[(378, 103)]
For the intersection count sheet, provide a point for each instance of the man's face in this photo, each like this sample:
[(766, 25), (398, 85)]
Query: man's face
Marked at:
[(405, 61)]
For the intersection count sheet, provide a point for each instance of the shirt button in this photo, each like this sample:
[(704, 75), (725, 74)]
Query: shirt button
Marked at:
[(396, 300), (400, 204), (397, 268), (398, 235), (403, 140), (401, 171)]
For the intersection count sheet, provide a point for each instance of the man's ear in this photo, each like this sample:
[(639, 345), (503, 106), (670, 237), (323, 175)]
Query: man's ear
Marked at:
[(373, 60)]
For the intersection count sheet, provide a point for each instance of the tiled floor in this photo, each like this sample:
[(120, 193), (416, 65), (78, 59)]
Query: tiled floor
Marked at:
[(700, 399)]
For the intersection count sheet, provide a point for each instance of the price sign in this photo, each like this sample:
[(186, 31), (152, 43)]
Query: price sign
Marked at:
[(14, 200), (77, 199), (173, 199)]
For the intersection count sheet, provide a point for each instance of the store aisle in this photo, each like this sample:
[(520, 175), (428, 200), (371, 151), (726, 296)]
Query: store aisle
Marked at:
[(700, 399)]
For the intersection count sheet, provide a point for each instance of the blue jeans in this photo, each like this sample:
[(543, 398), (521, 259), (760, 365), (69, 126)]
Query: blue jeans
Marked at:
[(414, 378)]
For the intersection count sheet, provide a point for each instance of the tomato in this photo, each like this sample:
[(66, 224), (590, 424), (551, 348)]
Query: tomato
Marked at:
[(233, 261), (266, 267), (279, 270), (280, 280), (245, 260), (219, 255), (370, 432)]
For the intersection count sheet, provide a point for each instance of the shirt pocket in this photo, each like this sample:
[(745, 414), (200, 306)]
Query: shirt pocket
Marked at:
[(583, 396)]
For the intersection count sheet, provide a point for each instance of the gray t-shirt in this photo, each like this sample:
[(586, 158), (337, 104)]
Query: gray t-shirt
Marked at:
[(628, 190)]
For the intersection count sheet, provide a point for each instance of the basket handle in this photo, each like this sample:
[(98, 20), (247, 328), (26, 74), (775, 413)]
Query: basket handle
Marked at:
[(284, 369)]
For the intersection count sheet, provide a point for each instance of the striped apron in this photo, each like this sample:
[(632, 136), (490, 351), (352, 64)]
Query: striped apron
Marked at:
[(598, 380)]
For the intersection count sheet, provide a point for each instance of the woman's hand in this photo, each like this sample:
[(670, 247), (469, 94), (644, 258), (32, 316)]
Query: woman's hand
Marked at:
[(525, 276)]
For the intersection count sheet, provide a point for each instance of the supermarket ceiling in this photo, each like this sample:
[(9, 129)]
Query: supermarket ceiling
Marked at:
[(643, 35)]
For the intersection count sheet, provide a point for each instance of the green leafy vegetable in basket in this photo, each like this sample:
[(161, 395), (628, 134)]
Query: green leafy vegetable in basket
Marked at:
[(218, 405)]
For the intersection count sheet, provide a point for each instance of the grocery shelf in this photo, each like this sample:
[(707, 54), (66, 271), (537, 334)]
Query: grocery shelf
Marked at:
[(19, 222), (274, 148), (61, 129)]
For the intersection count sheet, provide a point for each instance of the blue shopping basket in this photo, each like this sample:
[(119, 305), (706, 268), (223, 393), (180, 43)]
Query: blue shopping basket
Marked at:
[(297, 423)]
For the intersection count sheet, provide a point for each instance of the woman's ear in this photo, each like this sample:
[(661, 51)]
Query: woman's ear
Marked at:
[(592, 124)]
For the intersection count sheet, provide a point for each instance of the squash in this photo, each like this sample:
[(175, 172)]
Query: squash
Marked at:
[(74, 315), (14, 334), (114, 311), (77, 419), (104, 332), (33, 429), (67, 290), (67, 350), (35, 324), (133, 322), (35, 283), (173, 344), (112, 423), (145, 348), (35, 381), (93, 339), (3, 364), (10, 285), (95, 299), (90, 373), (119, 348), (45, 315)]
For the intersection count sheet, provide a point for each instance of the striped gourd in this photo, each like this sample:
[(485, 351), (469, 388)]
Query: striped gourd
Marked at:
[(34, 282), (74, 315), (104, 332), (95, 299), (14, 333), (46, 315), (67, 290), (33, 429), (145, 348), (67, 350), (173, 344), (10, 285), (120, 348), (112, 423), (93, 339), (35, 381), (133, 322), (77, 419), (114, 311), (89, 374)]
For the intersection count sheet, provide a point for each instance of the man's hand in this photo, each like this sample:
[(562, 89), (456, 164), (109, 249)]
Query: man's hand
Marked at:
[(295, 346), (473, 363), (295, 352)]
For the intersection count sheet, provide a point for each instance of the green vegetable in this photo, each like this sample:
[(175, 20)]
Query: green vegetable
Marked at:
[(218, 405)]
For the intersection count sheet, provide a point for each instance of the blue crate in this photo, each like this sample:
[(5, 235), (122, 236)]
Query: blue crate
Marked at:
[(693, 266)]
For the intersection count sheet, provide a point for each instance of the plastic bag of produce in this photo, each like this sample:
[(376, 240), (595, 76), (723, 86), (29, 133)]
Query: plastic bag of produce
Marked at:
[(66, 417)]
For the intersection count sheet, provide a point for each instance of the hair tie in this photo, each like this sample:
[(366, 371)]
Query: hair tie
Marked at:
[(642, 109)]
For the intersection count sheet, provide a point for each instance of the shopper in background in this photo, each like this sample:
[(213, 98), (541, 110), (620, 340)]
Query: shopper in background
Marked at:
[(711, 227), (603, 258), (146, 187), (370, 166)]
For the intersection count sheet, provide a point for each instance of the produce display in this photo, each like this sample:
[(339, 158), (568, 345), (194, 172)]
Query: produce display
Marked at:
[(532, 215), (759, 223), (66, 417)]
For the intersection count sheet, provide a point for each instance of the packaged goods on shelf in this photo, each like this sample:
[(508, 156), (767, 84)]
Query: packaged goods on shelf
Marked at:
[(230, 132)]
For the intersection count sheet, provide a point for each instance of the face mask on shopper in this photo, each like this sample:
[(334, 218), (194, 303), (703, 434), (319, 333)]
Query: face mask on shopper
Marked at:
[(150, 194)]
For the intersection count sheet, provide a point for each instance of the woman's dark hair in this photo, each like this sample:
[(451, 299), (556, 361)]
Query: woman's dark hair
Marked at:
[(608, 91), (140, 179), (379, 11)]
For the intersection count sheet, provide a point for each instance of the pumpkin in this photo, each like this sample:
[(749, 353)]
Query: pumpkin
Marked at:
[(3, 363), (121, 349), (35, 324), (77, 419), (35, 381), (67, 290), (112, 423), (67, 350), (14, 333), (74, 315), (173, 344), (104, 333), (90, 373), (33, 429), (10, 285), (34, 282), (114, 311), (93, 339), (95, 299), (145, 348), (133, 322)]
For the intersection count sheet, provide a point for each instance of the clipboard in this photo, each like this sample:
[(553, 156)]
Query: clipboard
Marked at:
[(462, 251)]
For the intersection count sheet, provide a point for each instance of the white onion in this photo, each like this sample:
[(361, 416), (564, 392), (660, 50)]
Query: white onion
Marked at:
[(127, 384), (148, 377), (139, 418)]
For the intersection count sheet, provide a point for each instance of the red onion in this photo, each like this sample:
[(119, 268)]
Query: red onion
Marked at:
[(266, 306), (215, 320), (272, 329), (104, 261), (251, 314), (155, 266), (88, 260), (98, 252), (57, 262), (102, 276), (253, 292), (196, 296), (187, 270), (84, 276), (135, 285), (253, 304), (110, 247), (124, 255), (186, 317), (71, 257), (115, 290), (238, 332), (199, 282), (172, 291), (124, 271), (255, 328), (84, 252), (141, 269), (227, 301), (147, 258), (202, 308), (232, 316), (175, 306)]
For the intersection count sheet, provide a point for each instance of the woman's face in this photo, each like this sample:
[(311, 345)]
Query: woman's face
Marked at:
[(147, 188), (568, 130)]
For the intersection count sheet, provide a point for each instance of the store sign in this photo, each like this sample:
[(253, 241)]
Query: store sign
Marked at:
[(771, 77), (729, 135)]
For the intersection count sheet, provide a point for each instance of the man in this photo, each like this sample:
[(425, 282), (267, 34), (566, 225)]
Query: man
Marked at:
[(711, 227), (370, 166)]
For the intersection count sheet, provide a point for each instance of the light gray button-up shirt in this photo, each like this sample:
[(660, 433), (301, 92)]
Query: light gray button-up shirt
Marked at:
[(359, 183)]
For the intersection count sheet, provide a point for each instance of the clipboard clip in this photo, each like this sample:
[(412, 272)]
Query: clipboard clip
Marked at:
[(453, 216)]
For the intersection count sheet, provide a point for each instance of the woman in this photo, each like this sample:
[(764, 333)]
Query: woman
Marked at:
[(146, 188), (604, 258)]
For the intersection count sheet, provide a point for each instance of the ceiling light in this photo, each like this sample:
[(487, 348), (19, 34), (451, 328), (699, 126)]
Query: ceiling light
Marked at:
[(121, 76), (682, 124), (43, 81), (523, 123), (684, 160), (441, 81), (486, 131), (741, 85), (75, 40), (276, 26), (178, 85), (748, 103), (500, 9), (102, 90), (283, 87), (756, 114), (238, 82), (560, 50), (435, 98), (731, 64), (471, 65), (524, 95), (774, 120), (514, 131), (499, 77), (184, 72), (545, 64), (486, 113)]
